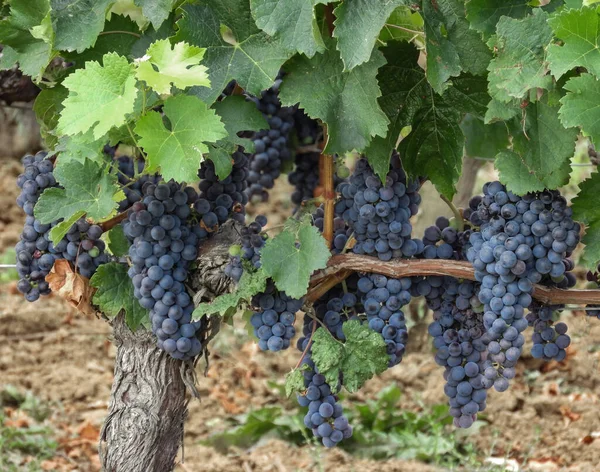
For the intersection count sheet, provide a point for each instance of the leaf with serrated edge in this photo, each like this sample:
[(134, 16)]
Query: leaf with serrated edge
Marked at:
[(519, 65), (293, 20), (357, 25), (87, 188), (540, 158), (294, 381), (115, 293), (291, 266), (250, 284), (579, 31), (434, 145), (113, 99), (359, 358), (253, 61), (581, 105), (586, 210), (345, 101), (180, 66), (178, 152)]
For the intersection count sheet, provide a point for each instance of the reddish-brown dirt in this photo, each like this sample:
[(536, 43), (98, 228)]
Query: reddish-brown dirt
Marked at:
[(548, 420)]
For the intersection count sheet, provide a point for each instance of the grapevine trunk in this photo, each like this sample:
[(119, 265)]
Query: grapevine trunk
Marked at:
[(144, 426)]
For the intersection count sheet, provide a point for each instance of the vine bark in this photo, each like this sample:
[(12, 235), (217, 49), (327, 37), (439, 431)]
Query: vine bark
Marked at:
[(144, 426)]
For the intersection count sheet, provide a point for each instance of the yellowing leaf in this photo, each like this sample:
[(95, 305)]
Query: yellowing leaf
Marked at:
[(100, 97), (162, 66)]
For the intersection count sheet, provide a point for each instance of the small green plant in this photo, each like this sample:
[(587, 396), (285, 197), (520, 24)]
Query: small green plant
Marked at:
[(32, 443), (382, 431)]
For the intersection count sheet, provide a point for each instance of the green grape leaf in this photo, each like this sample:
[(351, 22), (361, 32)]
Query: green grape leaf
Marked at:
[(60, 230), (162, 66), (81, 147), (294, 21), (586, 210), (500, 111), (345, 101), (294, 382), (580, 105), (402, 25), (250, 284), (451, 45), (541, 152), (434, 146), (250, 56), (115, 294), (20, 44), (87, 188), (157, 11), (127, 8), (237, 114), (359, 358), (293, 255), (485, 14), (47, 107), (77, 24), (483, 140), (357, 26), (579, 31), (519, 65), (113, 99), (117, 242), (119, 36), (178, 151)]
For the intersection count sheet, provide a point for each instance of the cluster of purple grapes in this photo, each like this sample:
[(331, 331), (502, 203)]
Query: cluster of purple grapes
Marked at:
[(271, 146), (164, 242), (383, 299), (253, 241), (522, 241), (460, 342), (305, 176), (549, 340), (325, 416), (36, 253), (379, 214), (273, 321), (130, 184), (220, 200)]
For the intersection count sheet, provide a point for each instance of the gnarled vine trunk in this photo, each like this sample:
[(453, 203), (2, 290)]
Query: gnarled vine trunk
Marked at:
[(145, 424), (144, 427)]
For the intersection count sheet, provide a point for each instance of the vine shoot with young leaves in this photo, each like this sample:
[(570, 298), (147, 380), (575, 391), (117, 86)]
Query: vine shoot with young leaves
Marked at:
[(164, 121)]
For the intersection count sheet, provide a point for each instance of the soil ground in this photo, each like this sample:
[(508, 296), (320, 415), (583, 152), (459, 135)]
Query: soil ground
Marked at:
[(548, 420)]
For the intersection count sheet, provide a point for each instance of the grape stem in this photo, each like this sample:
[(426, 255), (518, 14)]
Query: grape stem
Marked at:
[(457, 214), (342, 265), (326, 176), (310, 340), (114, 221)]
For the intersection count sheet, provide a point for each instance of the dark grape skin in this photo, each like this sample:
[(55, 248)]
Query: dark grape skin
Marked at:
[(36, 254), (513, 250), (271, 146), (158, 281)]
